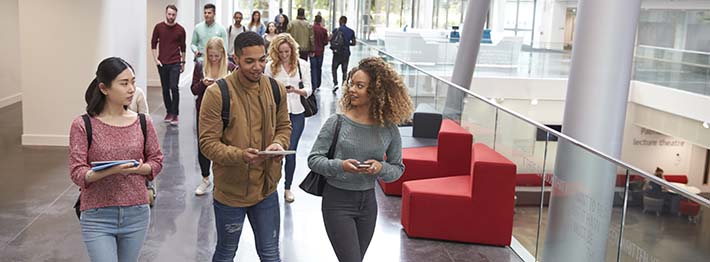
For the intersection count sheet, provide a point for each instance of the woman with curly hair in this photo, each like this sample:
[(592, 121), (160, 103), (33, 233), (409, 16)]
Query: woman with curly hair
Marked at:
[(374, 102), (295, 74)]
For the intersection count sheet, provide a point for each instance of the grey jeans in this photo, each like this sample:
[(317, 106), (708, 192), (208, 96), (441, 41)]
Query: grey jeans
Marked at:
[(349, 218)]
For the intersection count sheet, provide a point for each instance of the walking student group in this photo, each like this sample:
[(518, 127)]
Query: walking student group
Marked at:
[(253, 85)]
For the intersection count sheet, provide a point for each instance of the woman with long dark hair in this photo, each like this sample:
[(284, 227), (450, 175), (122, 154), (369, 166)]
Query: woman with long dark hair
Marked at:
[(114, 202), (375, 100), (282, 26), (256, 25)]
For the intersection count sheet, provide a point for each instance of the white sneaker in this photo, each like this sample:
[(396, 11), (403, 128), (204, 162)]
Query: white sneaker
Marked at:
[(288, 196), (204, 187)]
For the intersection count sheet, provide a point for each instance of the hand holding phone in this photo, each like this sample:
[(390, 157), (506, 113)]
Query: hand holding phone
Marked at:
[(363, 165), (208, 81)]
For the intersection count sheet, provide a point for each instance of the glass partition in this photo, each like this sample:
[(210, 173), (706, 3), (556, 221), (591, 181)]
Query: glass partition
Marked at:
[(565, 192)]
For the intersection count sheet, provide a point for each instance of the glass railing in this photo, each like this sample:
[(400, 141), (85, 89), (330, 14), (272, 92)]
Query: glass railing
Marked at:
[(649, 219), (681, 69)]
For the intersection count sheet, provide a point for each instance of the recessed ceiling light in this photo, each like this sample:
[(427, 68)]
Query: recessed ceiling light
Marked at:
[(706, 125), (534, 101)]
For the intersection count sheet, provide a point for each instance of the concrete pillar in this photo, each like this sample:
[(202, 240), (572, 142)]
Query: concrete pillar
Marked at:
[(583, 189), (465, 64)]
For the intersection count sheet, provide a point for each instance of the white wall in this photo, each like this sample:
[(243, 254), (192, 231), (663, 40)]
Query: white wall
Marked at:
[(98, 29), (10, 86)]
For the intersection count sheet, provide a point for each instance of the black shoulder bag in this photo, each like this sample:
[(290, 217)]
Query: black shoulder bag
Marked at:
[(309, 103), (314, 182)]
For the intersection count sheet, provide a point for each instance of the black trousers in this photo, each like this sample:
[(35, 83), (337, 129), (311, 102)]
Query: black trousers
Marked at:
[(342, 61), (205, 163), (350, 218), (169, 79)]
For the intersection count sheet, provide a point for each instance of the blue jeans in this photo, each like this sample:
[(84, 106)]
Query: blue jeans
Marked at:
[(264, 219), (316, 71), (115, 233), (298, 121)]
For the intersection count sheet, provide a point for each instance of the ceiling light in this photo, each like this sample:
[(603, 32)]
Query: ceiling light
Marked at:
[(706, 125), (534, 101)]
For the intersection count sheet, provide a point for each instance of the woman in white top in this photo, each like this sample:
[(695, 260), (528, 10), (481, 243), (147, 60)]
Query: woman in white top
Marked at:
[(284, 67)]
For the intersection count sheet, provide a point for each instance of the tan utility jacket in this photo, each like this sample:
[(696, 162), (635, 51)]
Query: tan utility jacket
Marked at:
[(256, 122)]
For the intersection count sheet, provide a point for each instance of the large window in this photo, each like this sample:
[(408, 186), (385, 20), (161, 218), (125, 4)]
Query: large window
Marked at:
[(518, 19), (448, 13)]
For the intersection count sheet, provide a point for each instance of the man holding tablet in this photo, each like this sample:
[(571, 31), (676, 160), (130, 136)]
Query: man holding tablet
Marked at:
[(245, 180)]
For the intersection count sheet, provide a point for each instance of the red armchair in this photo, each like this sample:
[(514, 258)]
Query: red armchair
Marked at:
[(690, 209), (475, 208), (450, 157)]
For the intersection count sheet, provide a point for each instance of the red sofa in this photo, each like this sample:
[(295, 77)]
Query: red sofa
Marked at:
[(676, 178), (475, 208), (450, 157)]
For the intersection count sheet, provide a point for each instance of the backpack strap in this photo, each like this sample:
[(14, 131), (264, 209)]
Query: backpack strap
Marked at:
[(224, 90), (276, 91), (141, 117)]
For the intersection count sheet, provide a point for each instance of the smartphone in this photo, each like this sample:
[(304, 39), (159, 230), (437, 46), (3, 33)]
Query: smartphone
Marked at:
[(363, 165), (288, 87)]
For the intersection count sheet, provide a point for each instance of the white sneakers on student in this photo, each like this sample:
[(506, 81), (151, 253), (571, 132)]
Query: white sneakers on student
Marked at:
[(204, 187), (288, 196)]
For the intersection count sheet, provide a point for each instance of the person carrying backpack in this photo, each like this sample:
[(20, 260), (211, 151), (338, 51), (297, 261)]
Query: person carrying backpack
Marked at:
[(114, 201), (340, 42), (238, 132)]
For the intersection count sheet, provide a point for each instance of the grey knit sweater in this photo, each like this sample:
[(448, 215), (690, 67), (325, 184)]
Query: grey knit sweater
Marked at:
[(360, 142)]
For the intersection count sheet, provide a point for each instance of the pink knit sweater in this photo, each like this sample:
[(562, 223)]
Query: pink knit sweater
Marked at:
[(112, 143)]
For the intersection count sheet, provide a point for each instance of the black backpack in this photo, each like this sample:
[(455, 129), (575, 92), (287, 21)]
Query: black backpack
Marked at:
[(337, 42), (89, 139), (224, 90)]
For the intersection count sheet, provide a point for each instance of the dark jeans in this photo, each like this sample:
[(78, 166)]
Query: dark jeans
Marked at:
[(316, 71), (303, 55), (169, 79), (297, 123), (349, 218), (264, 219), (340, 60), (205, 163)]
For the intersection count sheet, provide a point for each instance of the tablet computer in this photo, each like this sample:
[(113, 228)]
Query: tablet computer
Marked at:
[(108, 164), (277, 153)]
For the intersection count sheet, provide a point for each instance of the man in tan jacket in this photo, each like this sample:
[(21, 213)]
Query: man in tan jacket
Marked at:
[(302, 31), (245, 181)]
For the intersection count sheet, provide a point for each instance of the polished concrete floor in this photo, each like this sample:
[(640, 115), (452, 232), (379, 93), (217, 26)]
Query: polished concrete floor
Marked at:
[(37, 222)]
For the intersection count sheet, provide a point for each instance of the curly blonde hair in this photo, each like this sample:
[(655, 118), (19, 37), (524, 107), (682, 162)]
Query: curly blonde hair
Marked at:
[(274, 53), (389, 98)]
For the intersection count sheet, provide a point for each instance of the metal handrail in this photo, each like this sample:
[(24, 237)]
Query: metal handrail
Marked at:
[(675, 50), (685, 193)]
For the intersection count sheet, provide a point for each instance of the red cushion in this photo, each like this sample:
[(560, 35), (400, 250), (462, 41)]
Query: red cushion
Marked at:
[(451, 157), (689, 208), (683, 179), (416, 167), (454, 149), (477, 208)]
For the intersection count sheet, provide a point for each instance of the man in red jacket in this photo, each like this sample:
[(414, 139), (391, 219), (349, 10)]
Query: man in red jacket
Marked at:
[(321, 40)]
